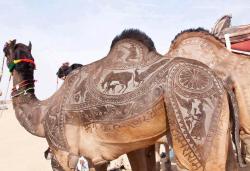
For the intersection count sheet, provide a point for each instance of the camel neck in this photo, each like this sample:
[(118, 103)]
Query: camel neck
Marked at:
[(27, 107)]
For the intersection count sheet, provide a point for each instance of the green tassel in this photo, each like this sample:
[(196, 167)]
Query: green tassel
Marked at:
[(11, 67)]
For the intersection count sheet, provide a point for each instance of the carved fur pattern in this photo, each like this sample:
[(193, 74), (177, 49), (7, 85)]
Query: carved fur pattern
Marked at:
[(190, 125), (24, 118), (123, 51), (108, 117), (204, 47), (86, 102), (55, 118), (94, 106), (134, 91)]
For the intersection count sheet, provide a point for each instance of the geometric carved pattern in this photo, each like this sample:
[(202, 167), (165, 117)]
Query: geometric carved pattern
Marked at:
[(195, 96), (55, 119), (202, 46), (193, 79)]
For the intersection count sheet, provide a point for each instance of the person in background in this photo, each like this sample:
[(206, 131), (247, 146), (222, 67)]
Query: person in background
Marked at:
[(82, 164), (48, 154), (65, 69)]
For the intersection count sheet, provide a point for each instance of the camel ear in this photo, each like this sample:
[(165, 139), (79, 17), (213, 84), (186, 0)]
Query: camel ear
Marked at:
[(12, 42), (30, 45)]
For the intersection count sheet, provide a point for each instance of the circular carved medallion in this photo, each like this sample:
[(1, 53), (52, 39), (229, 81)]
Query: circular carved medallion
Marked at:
[(194, 78)]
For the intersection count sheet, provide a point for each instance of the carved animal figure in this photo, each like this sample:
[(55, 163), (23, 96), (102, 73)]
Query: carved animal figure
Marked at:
[(101, 127), (122, 78), (199, 44), (110, 87), (137, 77)]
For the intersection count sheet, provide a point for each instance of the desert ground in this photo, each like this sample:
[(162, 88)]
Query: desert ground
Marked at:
[(24, 152), (19, 149)]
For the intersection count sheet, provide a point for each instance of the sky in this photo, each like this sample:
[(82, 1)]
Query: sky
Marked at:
[(81, 31)]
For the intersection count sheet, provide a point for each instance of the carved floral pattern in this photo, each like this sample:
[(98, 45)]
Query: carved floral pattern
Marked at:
[(193, 78)]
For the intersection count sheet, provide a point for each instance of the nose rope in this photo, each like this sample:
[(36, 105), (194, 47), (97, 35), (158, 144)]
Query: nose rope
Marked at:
[(1, 75), (7, 88)]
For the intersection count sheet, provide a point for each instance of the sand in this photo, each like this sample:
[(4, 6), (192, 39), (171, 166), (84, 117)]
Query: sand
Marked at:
[(20, 150)]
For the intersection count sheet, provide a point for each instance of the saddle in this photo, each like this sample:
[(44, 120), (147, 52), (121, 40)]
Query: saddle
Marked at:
[(236, 38)]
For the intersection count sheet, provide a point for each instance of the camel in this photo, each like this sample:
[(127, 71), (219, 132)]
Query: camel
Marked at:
[(142, 159), (82, 119), (210, 49)]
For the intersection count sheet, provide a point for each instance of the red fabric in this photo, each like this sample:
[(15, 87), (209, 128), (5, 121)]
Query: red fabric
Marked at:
[(28, 60), (243, 46)]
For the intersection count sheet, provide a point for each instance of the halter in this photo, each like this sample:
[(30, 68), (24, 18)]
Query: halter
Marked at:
[(16, 89), (12, 65), (22, 84)]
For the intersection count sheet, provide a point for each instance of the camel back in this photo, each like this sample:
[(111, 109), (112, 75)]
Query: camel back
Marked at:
[(131, 89), (121, 88), (89, 103), (125, 75), (200, 45)]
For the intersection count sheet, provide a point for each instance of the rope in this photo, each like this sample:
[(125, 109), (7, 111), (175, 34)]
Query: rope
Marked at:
[(22, 84), (23, 92), (7, 88), (1, 74), (5, 97), (56, 83)]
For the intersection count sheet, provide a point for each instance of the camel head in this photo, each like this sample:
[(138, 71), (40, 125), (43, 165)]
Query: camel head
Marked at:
[(19, 56)]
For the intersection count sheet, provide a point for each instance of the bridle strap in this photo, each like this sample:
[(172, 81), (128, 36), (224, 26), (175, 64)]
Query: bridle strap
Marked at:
[(24, 92), (12, 65), (22, 84), (16, 90)]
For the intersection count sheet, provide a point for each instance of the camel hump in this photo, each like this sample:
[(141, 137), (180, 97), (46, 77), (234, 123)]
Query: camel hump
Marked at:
[(182, 35), (130, 49), (198, 44), (134, 34)]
